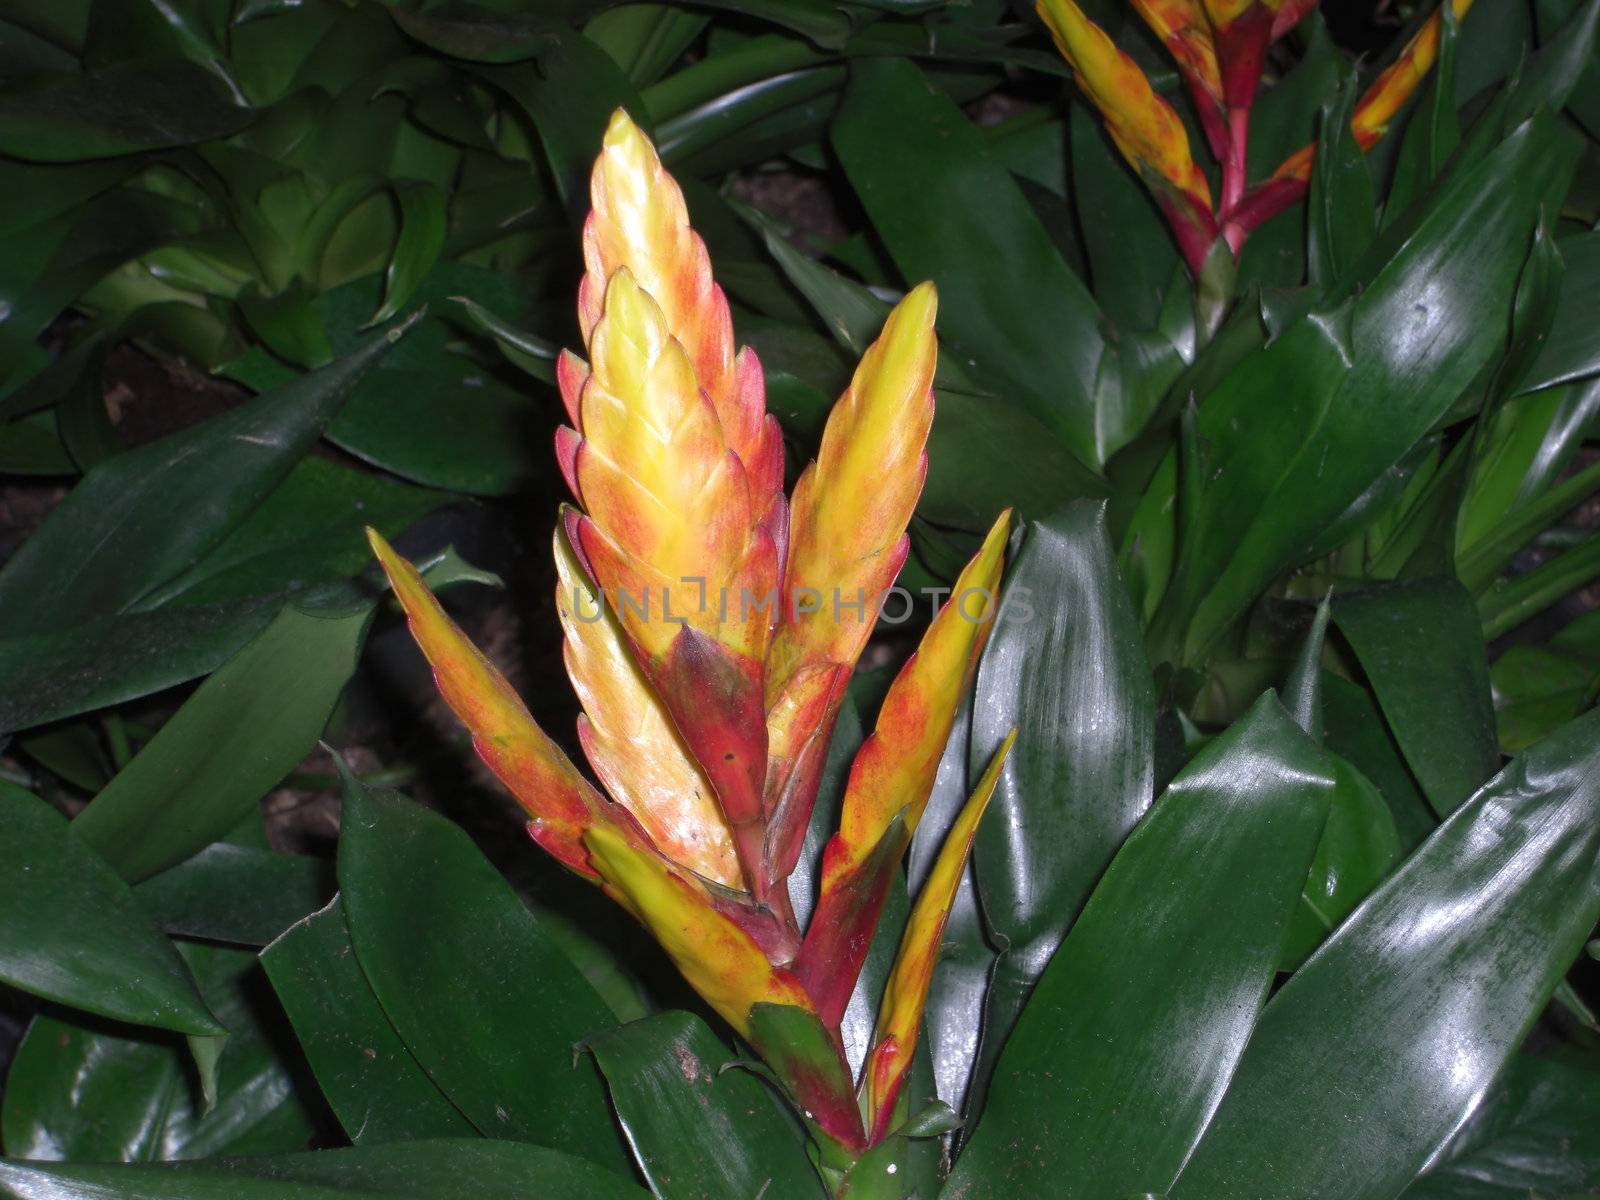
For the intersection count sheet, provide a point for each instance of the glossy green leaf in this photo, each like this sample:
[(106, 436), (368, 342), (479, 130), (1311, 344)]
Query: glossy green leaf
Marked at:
[(1490, 912), (111, 659), (422, 229), (1127, 1045), (369, 1078), (1534, 1136), (1009, 306), (72, 931), (1572, 349), (645, 40), (1342, 211), (696, 1127), (429, 414), (140, 519), (309, 531), (1539, 688), (86, 1092), (1429, 288), (1065, 665), (1418, 644), (241, 732), (436, 1169), (1434, 129), (1360, 842), (569, 94), (130, 107), (243, 895), (480, 995), (1354, 730), (1359, 846), (1129, 271)]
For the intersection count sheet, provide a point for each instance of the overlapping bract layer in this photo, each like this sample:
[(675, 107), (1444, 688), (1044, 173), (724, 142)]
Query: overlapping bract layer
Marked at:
[(1220, 48), (710, 637)]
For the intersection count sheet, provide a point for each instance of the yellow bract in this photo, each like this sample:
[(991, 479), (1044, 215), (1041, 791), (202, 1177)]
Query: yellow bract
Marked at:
[(716, 957), (1143, 125)]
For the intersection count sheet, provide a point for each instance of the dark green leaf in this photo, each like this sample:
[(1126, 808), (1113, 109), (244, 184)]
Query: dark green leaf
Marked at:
[(1572, 349), (1419, 645), (90, 1093), (422, 229), (1537, 689), (241, 732), (1354, 730), (370, 1079), (1066, 666), (1343, 213), (1126, 1048), (442, 1169), (1416, 1002), (244, 895), (1011, 310), (474, 987), (697, 1128), (1534, 1136), (136, 521), (129, 107), (71, 931)]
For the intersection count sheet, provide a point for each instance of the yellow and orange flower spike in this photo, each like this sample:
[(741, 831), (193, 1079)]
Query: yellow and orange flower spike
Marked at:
[(846, 545), (892, 777), (1185, 30), (562, 804), (639, 222), (905, 995), (669, 534), (629, 738), (1144, 127)]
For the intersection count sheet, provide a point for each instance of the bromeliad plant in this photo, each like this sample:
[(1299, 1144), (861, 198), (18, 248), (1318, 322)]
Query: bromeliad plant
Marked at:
[(1220, 47), (711, 628)]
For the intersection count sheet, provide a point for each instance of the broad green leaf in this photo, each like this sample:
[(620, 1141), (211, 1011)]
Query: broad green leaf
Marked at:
[(1342, 211), (242, 895), (1010, 308), (369, 1078), (91, 1093), (1360, 842), (435, 1169), (1416, 1002), (242, 731), (696, 1126), (307, 532), (1359, 846), (422, 229), (481, 996), (72, 931), (429, 414), (107, 660), (1127, 1045), (129, 107), (1534, 1136), (1129, 271), (1065, 665), (1418, 644), (1428, 289), (51, 261), (1572, 349), (1539, 688), (1354, 730), (140, 519), (569, 94), (645, 40)]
